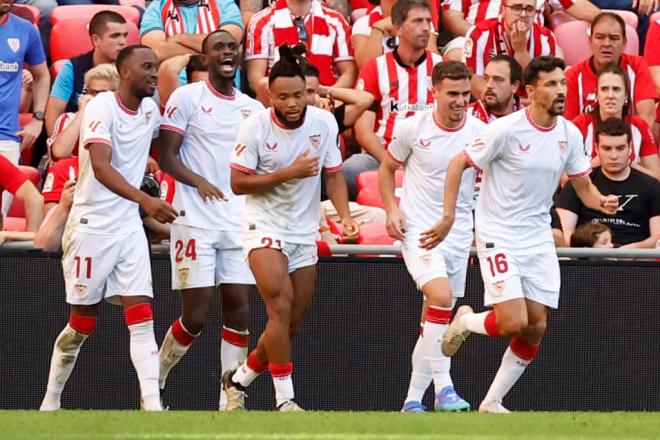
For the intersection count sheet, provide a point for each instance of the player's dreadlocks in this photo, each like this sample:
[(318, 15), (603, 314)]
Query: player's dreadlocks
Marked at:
[(290, 64)]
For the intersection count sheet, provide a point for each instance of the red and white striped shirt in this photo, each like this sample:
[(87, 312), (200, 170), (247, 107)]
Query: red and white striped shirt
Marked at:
[(479, 110), (488, 38), (581, 84), (476, 11), (329, 37), (61, 124), (642, 138), (400, 90)]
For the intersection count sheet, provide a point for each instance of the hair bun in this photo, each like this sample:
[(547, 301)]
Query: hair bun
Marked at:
[(292, 54)]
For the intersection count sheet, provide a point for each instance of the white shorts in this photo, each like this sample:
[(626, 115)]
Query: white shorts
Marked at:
[(101, 266), (507, 276), (206, 258), (424, 266), (299, 255)]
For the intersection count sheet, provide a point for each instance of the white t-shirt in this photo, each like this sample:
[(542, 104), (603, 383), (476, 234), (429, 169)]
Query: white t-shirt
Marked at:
[(265, 146), (522, 163), (424, 147), (129, 134), (208, 122)]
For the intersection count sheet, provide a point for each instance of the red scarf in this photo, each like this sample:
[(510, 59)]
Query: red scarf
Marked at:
[(208, 17)]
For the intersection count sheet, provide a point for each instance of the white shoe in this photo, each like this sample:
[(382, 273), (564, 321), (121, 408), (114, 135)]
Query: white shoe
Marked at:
[(289, 406), (50, 404), (493, 407), (235, 392), (456, 333)]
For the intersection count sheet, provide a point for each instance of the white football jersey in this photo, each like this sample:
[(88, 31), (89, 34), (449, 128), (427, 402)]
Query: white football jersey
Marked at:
[(129, 134), (208, 122), (424, 147), (522, 163), (264, 146)]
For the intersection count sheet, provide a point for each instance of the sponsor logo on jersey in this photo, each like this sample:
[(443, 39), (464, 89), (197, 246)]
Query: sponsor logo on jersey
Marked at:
[(424, 143), (405, 107), (315, 140), (94, 125), (8, 67), (524, 148), (271, 147), (171, 110), (14, 44), (239, 149), (205, 110), (246, 113)]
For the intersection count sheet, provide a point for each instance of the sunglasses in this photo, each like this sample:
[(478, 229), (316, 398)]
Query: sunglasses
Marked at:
[(302, 31)]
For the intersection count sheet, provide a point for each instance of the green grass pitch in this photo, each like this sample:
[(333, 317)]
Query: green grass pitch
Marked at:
[(197, 425)]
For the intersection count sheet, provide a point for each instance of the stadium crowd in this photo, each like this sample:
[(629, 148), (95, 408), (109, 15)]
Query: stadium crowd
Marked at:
[(370, 66)]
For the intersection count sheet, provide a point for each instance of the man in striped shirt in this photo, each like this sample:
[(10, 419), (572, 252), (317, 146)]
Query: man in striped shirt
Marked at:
[(513, 33), (399, 81)]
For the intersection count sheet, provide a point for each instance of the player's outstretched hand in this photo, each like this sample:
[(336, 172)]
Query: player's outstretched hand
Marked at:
[(609, 204), (159, 209), (350, 230), (434, 236), (304, 166), (209, 192), (396, 224)]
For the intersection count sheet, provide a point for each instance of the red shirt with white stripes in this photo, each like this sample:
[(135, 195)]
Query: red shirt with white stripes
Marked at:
[(476, 11), (328, 37), (642, 138), (399, 91), (488, 38), (61, 124), (581, 84)]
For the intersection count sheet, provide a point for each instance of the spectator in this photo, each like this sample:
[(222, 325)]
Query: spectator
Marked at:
[(612, 92), (636, 224), (373, 34), (325, 33), (108, 32), (555, 226), (592, 235), (459, 15), (399, 81), (168, 74), (513, 33), (177, 27), (502, 79), (652, 56), (643, 9), (14, 181), (607, 41)]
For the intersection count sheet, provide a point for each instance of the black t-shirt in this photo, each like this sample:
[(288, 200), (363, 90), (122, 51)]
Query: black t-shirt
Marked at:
[(339, 113), (639, 201)]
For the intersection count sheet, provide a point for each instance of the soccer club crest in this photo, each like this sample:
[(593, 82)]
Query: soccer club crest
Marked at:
[(14, 44), (315, 140), (562, 146), (426, 259), (81, 290), (246, 113), (498, 286)]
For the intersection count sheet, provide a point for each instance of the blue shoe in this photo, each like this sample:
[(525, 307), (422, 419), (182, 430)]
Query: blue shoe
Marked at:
[(448, 400), (413, 407)]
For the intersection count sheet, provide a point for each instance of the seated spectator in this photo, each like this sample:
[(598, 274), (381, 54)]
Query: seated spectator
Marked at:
[(612, 93), (399, 81), (652, 56), (637, 221), (14, 181), (325, 33), (592, 235), (169, 70), (108, 31), (55, 184), (459, 15), (643, 9), (502, 79), (513, 33), (178, 27), (607, 41)]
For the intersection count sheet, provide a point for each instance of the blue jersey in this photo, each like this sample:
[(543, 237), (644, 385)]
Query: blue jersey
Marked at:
[(19, 42)]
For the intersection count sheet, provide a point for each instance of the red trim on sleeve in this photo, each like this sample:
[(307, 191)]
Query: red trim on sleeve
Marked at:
[(172, 128), (239, 167), (334, 169), (471, 162), (582, 174), (97, 141), (396, 161)]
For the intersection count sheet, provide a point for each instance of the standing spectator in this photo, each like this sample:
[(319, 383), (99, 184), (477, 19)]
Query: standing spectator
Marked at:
[(502, 79), (20, 44), (652, 55), (514, 33), (607, 41), (325, 33), (177, 27), (108, 32), (613, 90), (14, 181), (636, 224), (399, 81)]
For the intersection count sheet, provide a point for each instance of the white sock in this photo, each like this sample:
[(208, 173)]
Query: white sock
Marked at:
[(511, 368), (245, 375), (475, 322), (65, 353), (171, 352), (437, 321), (144, 354), (421, 376), (283, 388), (231, 356)]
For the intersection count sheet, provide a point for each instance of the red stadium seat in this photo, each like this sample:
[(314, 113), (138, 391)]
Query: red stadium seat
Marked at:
[(370, 178), (28, 12), (70, 37), (560, 17), (140, 3), (87, 11), (374, 233), (14, 224), (368, 192), (17, 209), (573, 38), (56, 67), (370, 196)]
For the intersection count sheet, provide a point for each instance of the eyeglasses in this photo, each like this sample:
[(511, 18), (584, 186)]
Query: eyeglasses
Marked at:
[(518, 9), (302, 30)]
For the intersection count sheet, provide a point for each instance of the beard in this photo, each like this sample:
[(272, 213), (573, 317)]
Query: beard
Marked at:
[(557, 108), (290, 124)]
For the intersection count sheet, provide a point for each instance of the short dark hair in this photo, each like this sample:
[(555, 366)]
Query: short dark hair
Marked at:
[(310, 69), (603, 15), (217, 31), (402, 7), (586, 235), (100, 20), (450, 70), (616, 70), (514, 66), (196, 63), (541, 64), (126, 53), (290, 64), (613, 127)]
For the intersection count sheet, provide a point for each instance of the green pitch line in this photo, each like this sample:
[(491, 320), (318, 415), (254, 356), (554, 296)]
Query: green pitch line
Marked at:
[(194, 425)]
